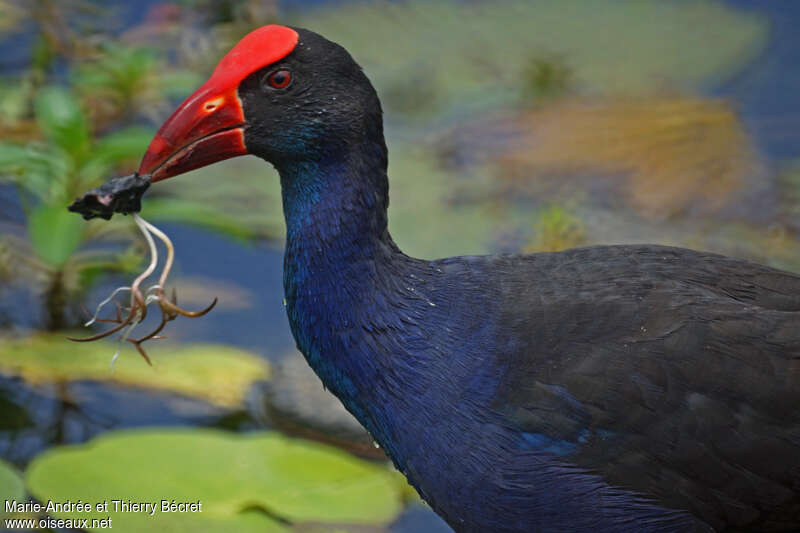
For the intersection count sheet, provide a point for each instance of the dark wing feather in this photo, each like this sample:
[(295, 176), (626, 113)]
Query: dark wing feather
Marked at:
[(670, 372)]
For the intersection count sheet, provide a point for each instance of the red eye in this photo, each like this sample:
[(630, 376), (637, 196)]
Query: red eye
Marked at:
[(280, 79)]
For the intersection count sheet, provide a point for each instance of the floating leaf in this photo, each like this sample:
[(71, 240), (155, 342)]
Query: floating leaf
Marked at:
[(11, 486), (674, 154), (216, 374), (244, 481)]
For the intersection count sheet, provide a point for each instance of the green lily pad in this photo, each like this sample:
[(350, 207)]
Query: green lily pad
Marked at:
[(11, 486), (243, 481), (220, 375)]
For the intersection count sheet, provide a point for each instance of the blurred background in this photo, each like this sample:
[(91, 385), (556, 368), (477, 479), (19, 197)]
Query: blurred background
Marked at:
[(513, 126)]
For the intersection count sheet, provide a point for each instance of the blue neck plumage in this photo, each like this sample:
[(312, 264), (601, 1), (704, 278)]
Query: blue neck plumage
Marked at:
[(337, 248), (338, 199)]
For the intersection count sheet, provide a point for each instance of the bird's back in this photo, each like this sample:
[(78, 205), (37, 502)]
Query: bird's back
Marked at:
[(640, 374)]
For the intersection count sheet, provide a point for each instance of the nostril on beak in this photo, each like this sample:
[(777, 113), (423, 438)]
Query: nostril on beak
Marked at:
[(211, 105)]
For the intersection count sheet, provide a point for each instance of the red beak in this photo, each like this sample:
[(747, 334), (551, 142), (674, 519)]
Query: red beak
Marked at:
[(206, 128), (209, 125)]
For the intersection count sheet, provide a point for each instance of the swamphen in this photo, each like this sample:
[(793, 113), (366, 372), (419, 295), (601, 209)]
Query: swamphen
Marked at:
[(631, 388)]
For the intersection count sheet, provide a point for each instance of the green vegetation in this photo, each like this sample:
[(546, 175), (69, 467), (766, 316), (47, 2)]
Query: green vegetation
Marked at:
[(74, 141), (605, 92), (11, 486), (789, 182), (251, 482), (241, 200), (48, 173), (666, 154), (65, 140), (557, 230), (477, 54), (546, 78), (123, 81), (220, 375)]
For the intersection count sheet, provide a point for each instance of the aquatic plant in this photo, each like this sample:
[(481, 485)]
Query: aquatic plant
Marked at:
[(120, 82), (661, 154), (547, 77), (556, 230), (140, 300), (219, 375), (47, 247), (271, 483), (61, 150), (11, 486), (611, 47)]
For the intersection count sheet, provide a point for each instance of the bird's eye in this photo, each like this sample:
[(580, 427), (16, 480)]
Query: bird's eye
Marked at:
[(280, 79)]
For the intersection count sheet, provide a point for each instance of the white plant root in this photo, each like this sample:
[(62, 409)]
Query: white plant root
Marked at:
[(137, 310)]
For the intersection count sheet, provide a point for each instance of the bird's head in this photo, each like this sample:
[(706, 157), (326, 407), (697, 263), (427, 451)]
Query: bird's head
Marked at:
[(283, 94)]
